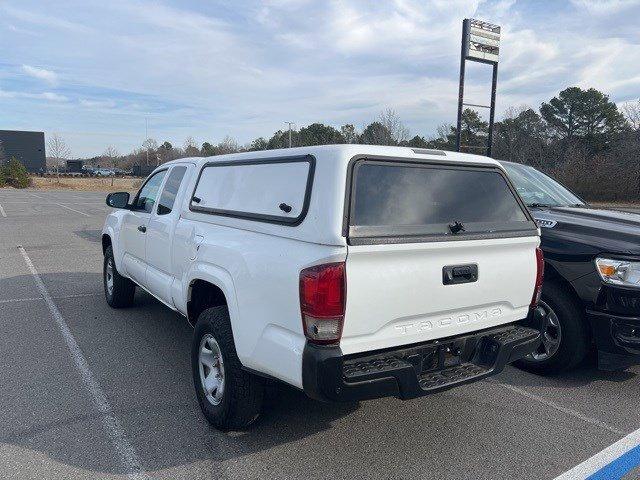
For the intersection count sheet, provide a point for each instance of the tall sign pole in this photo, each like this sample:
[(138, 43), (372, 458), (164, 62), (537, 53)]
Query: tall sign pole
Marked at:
[(492, 111), (465, 34), (480, 43)]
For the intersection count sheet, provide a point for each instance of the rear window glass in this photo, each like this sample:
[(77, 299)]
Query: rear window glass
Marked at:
[(407, 199), (266, 190)]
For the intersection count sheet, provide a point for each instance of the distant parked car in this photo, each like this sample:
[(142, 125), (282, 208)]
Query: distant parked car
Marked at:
[(104, 172), (591, 290)]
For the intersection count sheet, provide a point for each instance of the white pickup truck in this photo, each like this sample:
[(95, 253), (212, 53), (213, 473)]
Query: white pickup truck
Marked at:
[(348, 271)]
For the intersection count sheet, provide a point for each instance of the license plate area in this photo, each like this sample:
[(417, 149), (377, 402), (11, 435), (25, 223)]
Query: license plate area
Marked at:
[(438, 357)]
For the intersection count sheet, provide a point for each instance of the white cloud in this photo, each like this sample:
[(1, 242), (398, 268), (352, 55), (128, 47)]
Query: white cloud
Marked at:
[(35, 17), (605, 7), (48, 76), (48, 96), (51, 96), (97, 103), (611, 65)]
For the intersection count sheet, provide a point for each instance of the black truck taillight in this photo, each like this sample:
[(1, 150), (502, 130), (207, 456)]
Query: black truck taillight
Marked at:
[(323, 292)]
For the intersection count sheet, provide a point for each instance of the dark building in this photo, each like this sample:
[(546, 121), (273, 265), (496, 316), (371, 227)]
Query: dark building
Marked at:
[(142, 170), (27, 147), (75, 166)]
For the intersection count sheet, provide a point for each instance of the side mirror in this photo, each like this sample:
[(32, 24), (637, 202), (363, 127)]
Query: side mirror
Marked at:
[(118, 199)]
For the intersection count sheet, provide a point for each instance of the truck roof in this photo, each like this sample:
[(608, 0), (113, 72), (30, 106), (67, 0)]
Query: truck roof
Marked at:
[(346, 151)]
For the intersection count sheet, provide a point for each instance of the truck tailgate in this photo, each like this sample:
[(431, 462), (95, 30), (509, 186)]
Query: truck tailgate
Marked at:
[(397, 294)]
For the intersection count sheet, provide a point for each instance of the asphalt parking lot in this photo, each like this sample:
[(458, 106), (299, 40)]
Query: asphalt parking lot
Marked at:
[(516, 425)]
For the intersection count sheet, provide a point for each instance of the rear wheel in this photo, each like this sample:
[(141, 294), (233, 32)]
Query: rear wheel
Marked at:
[(230, 397), (565, 335), (118, 290)]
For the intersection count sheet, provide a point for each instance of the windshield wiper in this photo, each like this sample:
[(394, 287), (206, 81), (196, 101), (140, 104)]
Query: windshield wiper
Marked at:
[(540, 205)]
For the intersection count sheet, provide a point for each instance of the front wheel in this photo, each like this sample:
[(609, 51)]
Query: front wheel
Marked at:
[(229, 396), (118, 290), (565, 335)]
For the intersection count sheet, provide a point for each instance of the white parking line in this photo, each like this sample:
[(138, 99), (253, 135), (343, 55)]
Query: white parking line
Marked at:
[(17, 300), (73, 210), (60, 205), (2, 212), (567, 411), (45, 202), (604, 458), (112, 425)]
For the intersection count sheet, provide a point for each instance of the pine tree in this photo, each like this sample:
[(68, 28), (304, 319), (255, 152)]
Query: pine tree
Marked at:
[(16, 174)]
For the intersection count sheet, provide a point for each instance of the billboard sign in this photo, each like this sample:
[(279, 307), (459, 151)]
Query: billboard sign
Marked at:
[(481, 41)]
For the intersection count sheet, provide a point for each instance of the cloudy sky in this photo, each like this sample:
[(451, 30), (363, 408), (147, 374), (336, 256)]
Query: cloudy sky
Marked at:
[(93, 71)]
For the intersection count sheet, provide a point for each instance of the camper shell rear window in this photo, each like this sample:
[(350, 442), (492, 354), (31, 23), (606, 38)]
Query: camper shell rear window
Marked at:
[(273, 190), (396, 201)]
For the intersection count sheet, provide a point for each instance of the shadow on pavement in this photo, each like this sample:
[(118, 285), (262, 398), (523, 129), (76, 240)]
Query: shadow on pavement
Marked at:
[(583, 375), (90, 235), (140, 357)]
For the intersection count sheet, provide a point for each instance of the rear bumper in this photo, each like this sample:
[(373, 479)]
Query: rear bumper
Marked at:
[(416, 370), (617, 338)]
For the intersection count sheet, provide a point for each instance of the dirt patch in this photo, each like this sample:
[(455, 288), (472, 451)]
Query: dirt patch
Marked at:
[(125, 184)]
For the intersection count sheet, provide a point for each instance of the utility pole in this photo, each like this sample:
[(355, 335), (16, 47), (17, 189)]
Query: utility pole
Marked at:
[(146, 137), (290, 123)]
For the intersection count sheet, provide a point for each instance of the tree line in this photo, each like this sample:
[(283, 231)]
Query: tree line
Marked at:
[(580, 137)]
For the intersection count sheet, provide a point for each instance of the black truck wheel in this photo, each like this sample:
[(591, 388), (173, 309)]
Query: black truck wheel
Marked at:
[(118, 290), (565, 332), (229, 396)]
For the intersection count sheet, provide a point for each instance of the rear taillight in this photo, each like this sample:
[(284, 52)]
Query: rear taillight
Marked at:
[(539, 278), (323, 292)]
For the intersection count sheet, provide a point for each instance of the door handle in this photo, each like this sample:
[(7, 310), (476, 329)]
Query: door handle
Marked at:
[(455, 274), (142, 228)]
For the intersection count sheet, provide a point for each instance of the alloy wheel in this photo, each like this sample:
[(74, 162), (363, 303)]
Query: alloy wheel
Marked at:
[(211, 366), (551, 335)]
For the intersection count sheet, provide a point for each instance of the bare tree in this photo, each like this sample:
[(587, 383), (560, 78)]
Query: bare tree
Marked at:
[(631, 111), (398, 131), (111, 152), (191, 148), (58, 152), (228, 145), (111, 155), (151, 146)]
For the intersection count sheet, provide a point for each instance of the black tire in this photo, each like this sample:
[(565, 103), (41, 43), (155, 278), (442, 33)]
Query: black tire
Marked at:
[(575, 332), (123, 291), (241, 401)]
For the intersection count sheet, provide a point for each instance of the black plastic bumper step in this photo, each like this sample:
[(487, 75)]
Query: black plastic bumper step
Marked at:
[(415, 370), (361, 369), (442, 364), (458, 374)]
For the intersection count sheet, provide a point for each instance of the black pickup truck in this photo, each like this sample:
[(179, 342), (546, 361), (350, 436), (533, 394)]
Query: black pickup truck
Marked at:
[(591, 291)]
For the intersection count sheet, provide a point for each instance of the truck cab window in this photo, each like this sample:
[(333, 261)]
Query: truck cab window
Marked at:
[(170, 190), (146, 198)]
